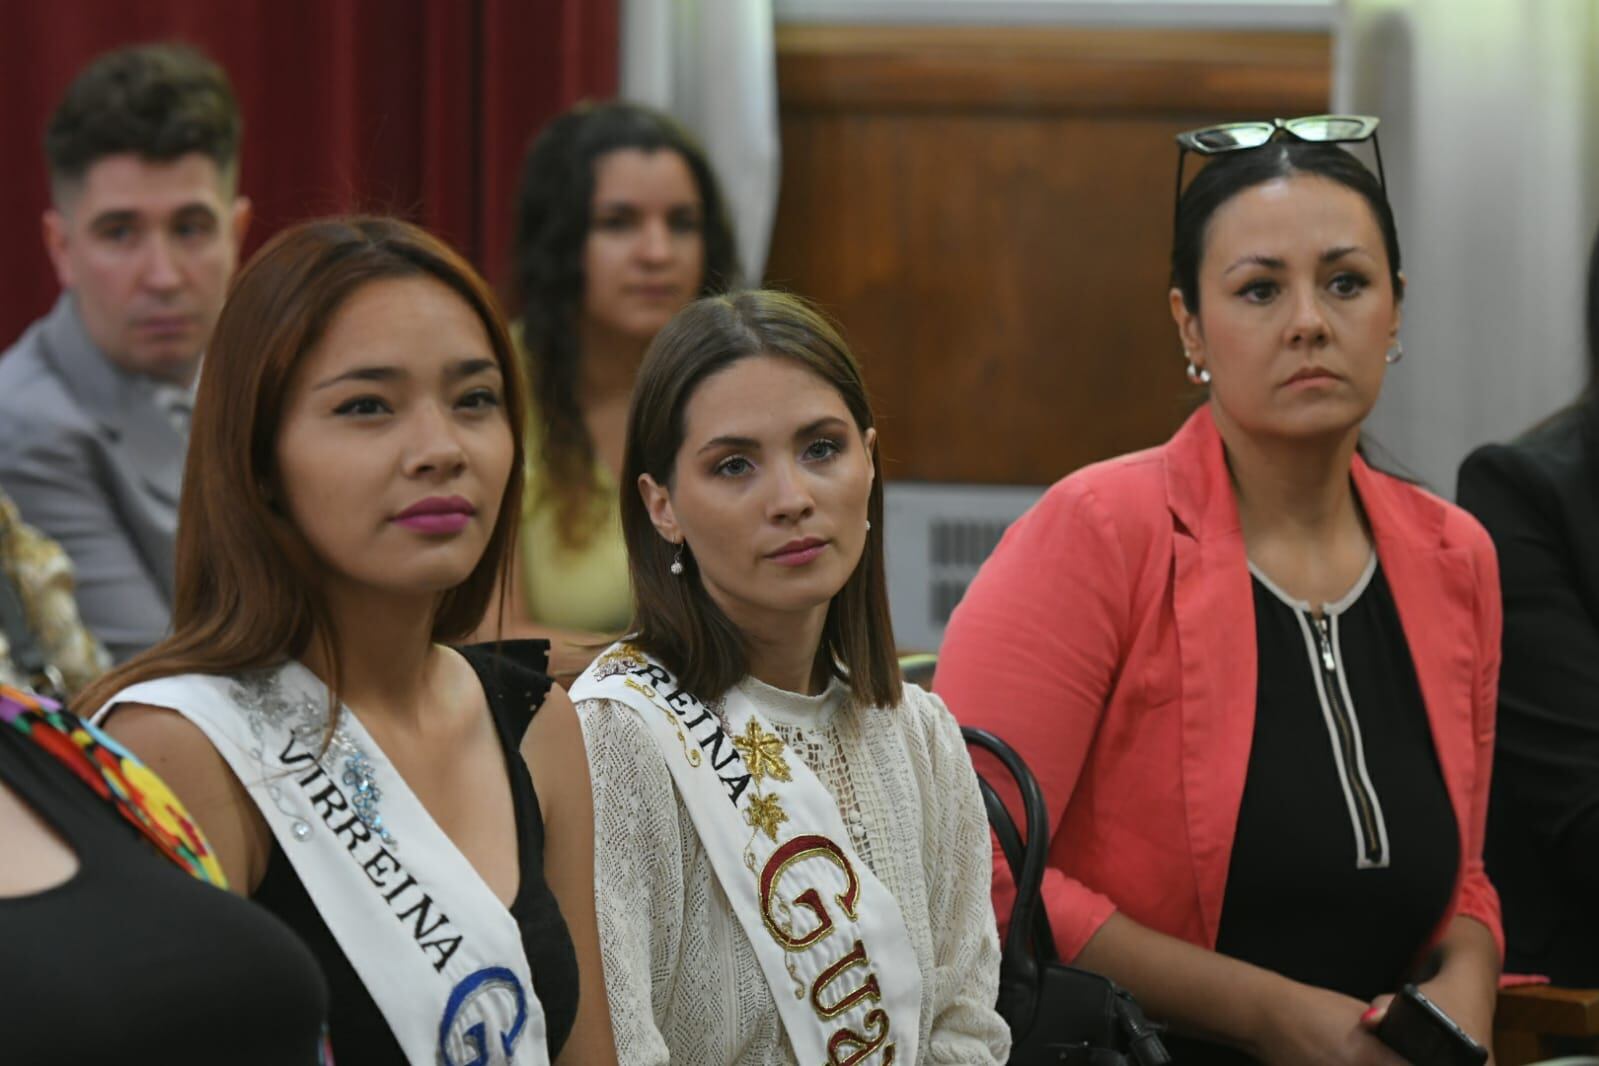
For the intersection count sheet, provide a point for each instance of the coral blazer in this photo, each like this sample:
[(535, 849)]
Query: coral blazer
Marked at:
[(1111, 639)]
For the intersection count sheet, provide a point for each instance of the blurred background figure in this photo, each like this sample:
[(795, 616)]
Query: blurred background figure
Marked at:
[(46, 647), (1539, 499), (620, 223), (144, 231)]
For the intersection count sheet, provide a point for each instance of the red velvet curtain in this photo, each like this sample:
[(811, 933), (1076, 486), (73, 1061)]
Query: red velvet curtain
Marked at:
[(421, 108)]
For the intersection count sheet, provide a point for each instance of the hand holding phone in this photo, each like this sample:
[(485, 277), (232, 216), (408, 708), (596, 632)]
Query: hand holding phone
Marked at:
[(1422, 1034)]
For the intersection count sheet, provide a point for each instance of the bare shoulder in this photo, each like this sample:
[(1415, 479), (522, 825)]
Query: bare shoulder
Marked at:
[(169, 744), (553, 750), (182, 755), (554, 726)]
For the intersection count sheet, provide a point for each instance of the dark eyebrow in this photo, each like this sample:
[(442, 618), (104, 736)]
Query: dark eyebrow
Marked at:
[(729, 441), (825, 422), (361, 373), (1332, 254), (465, 368), (114, 217), (121, 216), (1268, 261)]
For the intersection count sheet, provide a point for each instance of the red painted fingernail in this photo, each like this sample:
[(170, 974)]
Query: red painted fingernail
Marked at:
[(1371, 1012)]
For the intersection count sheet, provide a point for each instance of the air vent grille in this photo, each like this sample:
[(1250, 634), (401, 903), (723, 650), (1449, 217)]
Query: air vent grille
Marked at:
[(938, 537)]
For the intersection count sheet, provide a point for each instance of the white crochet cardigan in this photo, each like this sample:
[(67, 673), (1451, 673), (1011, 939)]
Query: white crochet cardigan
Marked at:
[(684, 983)]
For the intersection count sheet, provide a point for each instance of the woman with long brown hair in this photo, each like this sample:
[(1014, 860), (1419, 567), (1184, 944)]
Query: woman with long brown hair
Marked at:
[(619, 224), (348, 508), (792, 850)]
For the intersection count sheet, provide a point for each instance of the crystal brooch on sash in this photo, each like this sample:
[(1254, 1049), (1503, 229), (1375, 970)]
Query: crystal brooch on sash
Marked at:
[(359, 775)]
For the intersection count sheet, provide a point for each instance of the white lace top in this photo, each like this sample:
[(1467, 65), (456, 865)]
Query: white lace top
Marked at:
[(683, 980)]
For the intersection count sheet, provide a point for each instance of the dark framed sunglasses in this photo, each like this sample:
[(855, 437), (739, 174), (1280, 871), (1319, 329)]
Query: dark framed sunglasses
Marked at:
[(1243, 136)]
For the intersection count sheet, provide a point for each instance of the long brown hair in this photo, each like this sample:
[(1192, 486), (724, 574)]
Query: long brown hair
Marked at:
[(675, 619), (248, 594), (553, 213)]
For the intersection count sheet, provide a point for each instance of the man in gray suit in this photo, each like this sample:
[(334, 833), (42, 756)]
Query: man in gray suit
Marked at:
[(143, 230)]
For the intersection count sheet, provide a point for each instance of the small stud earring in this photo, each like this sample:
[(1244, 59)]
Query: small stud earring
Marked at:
[(1196, 373), (677, 562), (868, 525), (1396, 353)]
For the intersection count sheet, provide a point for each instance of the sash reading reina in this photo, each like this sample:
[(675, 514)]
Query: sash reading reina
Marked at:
[(829, 936)]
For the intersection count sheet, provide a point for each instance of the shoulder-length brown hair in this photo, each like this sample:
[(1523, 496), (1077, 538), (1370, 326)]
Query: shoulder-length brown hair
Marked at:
[(675, 619), (248, 593)]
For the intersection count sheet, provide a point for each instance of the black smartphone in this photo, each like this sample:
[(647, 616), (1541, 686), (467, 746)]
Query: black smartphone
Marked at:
[(1424, 1035)]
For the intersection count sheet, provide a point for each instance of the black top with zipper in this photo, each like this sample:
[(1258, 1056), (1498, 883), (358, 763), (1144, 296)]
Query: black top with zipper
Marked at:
[(1347, 849)]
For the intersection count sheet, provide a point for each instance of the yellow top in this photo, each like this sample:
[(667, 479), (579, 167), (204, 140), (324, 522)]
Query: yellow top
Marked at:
[(586, 587)]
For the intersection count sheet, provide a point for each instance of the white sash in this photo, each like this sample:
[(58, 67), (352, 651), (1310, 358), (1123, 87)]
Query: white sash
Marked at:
[(440, 954), (829, 936)]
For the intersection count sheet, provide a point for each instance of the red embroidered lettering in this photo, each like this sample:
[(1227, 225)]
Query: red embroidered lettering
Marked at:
[(868, 990), (796, 850), (862, 1045)]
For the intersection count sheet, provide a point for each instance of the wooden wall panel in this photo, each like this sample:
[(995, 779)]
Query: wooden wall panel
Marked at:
[(988, 214)]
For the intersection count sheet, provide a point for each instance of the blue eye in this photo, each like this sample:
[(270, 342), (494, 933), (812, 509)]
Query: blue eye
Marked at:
[(734, 466), (822, 448)]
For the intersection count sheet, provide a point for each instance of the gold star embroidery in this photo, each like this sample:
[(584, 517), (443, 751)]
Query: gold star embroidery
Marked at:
[(624, 655), (765, 814), (762, 751)]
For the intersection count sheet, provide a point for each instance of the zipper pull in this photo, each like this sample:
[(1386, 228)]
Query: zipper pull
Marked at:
[(1326, 644)]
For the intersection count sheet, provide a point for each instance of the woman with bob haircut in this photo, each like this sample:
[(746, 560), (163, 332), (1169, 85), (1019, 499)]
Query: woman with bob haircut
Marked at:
[(619, 225), (420, 815), (792, 851), (1253, 674)]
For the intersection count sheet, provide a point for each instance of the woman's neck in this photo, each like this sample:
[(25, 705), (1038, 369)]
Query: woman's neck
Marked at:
[(387, 659), (610, 361), (782, 650), (1297, 509)]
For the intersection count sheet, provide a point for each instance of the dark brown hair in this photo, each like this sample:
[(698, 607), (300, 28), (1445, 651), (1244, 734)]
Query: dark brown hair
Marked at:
[(157, 101), (248, 591), (554, 205), (675, 619)]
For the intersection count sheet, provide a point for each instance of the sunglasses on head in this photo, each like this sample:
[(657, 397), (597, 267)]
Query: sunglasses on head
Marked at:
[(1242, 136)]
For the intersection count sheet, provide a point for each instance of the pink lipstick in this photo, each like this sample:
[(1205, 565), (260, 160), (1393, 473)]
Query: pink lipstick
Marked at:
[(437, 515)]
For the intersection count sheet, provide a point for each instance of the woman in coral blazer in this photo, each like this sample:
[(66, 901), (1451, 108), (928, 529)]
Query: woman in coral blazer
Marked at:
[(1255, 676)]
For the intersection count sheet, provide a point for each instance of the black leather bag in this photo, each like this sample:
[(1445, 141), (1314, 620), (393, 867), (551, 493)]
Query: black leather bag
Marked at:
[(1057, 1013)]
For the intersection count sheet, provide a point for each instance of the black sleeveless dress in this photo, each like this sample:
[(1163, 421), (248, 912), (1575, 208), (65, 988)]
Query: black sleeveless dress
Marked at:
[(514, 682), (132, 959)]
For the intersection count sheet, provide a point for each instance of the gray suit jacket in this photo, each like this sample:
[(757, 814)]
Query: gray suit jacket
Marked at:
[(94, 462)]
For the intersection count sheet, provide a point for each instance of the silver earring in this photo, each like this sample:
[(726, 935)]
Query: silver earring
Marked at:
[(677, 562), (1196, 373), (1395, 353)]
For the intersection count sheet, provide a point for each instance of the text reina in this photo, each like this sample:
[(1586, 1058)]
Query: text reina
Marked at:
[(430, 928), (683, 703)]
